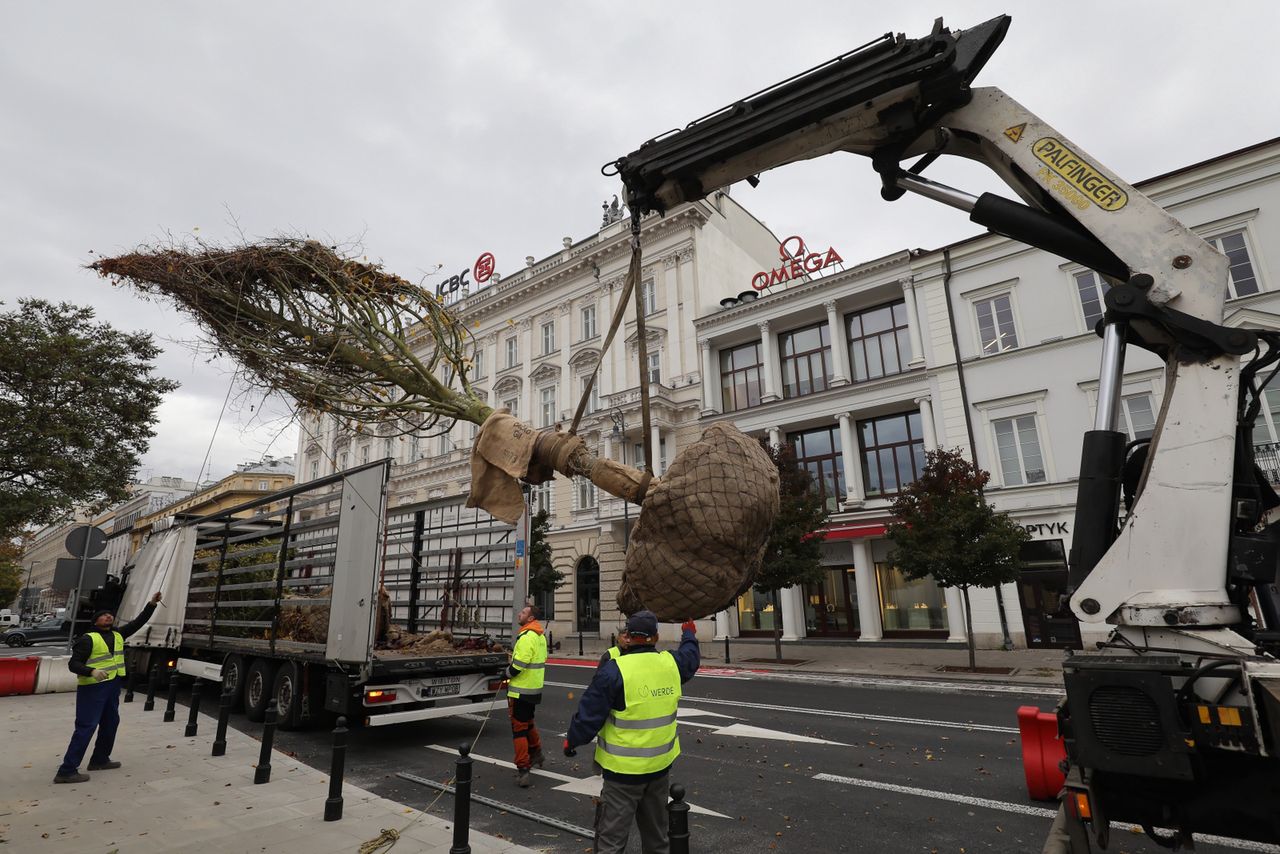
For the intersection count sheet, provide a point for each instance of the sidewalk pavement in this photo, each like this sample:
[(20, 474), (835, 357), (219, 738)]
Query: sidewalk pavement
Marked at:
[(895, 660), (172, 796)]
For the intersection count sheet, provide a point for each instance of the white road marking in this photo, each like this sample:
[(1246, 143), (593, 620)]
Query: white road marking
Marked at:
[(1021, 809), (685, 712), (748, 731), (575, 785)]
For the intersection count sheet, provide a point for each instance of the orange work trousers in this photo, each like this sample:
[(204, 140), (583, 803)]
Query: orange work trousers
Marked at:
[(524, 732)]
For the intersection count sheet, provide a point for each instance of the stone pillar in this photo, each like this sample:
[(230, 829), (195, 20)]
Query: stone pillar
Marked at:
[(606, 441), (926, 423), (791, 600), (570, 392), (854, 490), (840, 373), (864, 579), (675, 356), (955, 614), (913, 322), (722, 624), (656, 433), (772, 370), (710, 379), (524, 352), (775, 437)]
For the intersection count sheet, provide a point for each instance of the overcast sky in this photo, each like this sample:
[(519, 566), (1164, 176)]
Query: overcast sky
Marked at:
[(432, 132)]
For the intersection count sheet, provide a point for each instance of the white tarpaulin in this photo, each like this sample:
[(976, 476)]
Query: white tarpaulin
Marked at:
[(163, 564)]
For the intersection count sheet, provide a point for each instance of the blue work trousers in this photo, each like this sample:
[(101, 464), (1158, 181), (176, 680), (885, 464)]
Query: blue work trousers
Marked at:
[(97, 707)]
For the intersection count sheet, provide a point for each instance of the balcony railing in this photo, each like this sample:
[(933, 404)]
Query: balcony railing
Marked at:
[(1267, 456)]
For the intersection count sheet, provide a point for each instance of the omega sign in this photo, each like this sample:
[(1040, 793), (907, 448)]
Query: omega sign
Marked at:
[(482, 270), (797, 262)]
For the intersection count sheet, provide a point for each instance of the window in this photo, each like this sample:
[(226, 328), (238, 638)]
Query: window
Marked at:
[(263, 485), (547, 397), (1241, 280), (513, 352), (513, 406), (387, 447), (540, 498), (477, 363), (879, 344), (446, 443), (593, 402), (995, 324), (548, 337), (413, 447), (1138, 416), (819, 453), (740, 377), (315, 469), (662, 456), (588, 322), (1091, 289), (1018, 446), (584, 494), (364, 454), (342, 461), (655, 366), (649, 296), (892, 452), (804, 360)]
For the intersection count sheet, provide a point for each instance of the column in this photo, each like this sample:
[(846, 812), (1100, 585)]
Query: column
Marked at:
[(572, 390), (792, 601), (775, 437), (854, 490), (926, 423), (491, 363), (604, 316), (675, 330), (656, 433), (710, 379), (864, 579), (840, 373), (772, 371), (524, 351), (606, 444), (955, 614), (913, 322), (722, 625)]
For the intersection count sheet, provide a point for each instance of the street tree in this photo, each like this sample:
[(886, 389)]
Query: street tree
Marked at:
[(544, 578), (10, 571), (793, 554), (78, 402), (944, 528)]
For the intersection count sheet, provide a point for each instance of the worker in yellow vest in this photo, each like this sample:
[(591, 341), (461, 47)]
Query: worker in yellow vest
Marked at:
[(97, 659), (524, 691), (630, 709)]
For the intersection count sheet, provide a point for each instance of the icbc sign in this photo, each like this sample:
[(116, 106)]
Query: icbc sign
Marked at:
[(482, 270), (797, 261)]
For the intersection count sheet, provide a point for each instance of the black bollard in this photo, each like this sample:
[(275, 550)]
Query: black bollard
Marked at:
[(579, 641), (462, 802), (193, 716), (726, 647), (152, 681), (678, 821), (128, 687), (224, 714), (262, 774), (333, 806), (173, 697), (613, 639)]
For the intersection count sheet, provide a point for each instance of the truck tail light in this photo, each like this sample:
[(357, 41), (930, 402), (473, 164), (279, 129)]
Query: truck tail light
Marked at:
[(496, 684), (1083, 810), (379, 696)]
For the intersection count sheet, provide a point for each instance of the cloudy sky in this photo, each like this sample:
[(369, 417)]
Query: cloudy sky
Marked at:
[(431, 132)]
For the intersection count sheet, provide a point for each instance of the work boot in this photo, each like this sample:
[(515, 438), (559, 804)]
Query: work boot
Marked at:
[(536, 758), (103, 766), (522, 778), (71, 778)]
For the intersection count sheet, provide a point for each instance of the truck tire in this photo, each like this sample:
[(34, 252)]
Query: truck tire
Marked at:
[(259, 680), (234, 674), (288, 693)]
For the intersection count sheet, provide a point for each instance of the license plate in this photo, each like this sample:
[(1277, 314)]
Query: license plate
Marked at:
[(441, 690)]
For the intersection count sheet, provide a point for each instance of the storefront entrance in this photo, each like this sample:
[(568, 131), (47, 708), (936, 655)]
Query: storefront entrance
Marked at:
[(909, 607), (587, 583), (1042, 593), (831, 608)]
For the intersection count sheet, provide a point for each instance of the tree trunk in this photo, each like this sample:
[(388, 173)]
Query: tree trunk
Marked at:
[(968, 628), (777, 625)]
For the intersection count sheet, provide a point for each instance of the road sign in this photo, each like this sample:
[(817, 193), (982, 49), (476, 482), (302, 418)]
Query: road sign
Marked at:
[(86, 541), (66, 574)]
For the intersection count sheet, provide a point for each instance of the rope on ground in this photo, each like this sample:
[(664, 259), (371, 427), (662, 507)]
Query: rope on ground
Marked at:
[(389, 836)]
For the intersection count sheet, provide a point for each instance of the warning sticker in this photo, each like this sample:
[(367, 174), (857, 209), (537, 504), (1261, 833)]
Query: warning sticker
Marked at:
[(1015, 133), (1078, 177)]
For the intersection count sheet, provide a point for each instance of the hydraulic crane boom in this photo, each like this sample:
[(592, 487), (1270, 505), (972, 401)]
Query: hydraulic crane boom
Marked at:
[(1147, 735)]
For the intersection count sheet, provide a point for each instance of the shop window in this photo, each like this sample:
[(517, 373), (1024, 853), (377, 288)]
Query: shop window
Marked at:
[(1090, 288), (892, 452), (804, 360), (819, 453), (1018, 447), (907, 605), (1241, 279), (757, 613), (996, 332), (879, 344), (740, 377)]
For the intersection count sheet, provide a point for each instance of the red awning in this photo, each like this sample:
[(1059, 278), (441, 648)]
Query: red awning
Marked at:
[(855, 531)]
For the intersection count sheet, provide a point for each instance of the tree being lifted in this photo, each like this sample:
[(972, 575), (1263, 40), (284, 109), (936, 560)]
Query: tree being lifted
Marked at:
[(349, 340)]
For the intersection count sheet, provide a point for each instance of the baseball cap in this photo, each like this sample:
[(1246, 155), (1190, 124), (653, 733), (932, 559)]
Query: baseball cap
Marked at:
[(643, 623)]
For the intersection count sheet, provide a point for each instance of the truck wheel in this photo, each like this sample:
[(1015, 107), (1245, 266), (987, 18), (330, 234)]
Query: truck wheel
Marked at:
[(233, 679), (287, 692), (258, 682)]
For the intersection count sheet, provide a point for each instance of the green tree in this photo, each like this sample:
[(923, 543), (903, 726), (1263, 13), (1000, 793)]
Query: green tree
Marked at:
[(78, 402), (544, 579), (944, 528), (10, 576), (793, 554)]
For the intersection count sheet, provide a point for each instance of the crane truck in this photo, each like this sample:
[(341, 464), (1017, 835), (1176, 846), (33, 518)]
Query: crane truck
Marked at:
[(1173, 722)]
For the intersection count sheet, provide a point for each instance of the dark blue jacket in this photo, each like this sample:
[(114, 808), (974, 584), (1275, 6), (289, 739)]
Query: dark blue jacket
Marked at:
[(605, 694)]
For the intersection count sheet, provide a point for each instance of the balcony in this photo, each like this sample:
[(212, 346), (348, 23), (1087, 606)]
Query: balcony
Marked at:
[(1267, 457)]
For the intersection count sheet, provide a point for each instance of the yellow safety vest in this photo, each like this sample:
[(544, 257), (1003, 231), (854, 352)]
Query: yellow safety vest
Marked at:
[(101, 658), (641, 739), (614, 652), (530, 660)]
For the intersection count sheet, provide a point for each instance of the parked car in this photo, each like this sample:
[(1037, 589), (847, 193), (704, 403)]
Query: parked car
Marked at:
[(42, 632), (8, 618)]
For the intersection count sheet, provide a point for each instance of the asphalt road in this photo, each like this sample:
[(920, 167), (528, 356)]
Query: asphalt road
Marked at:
[(770, 764)]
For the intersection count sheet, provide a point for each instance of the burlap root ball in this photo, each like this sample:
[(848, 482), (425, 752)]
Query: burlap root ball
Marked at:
[(702, 529)]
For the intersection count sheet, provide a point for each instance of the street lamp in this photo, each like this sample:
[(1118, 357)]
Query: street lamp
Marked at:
[(620, 435)]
